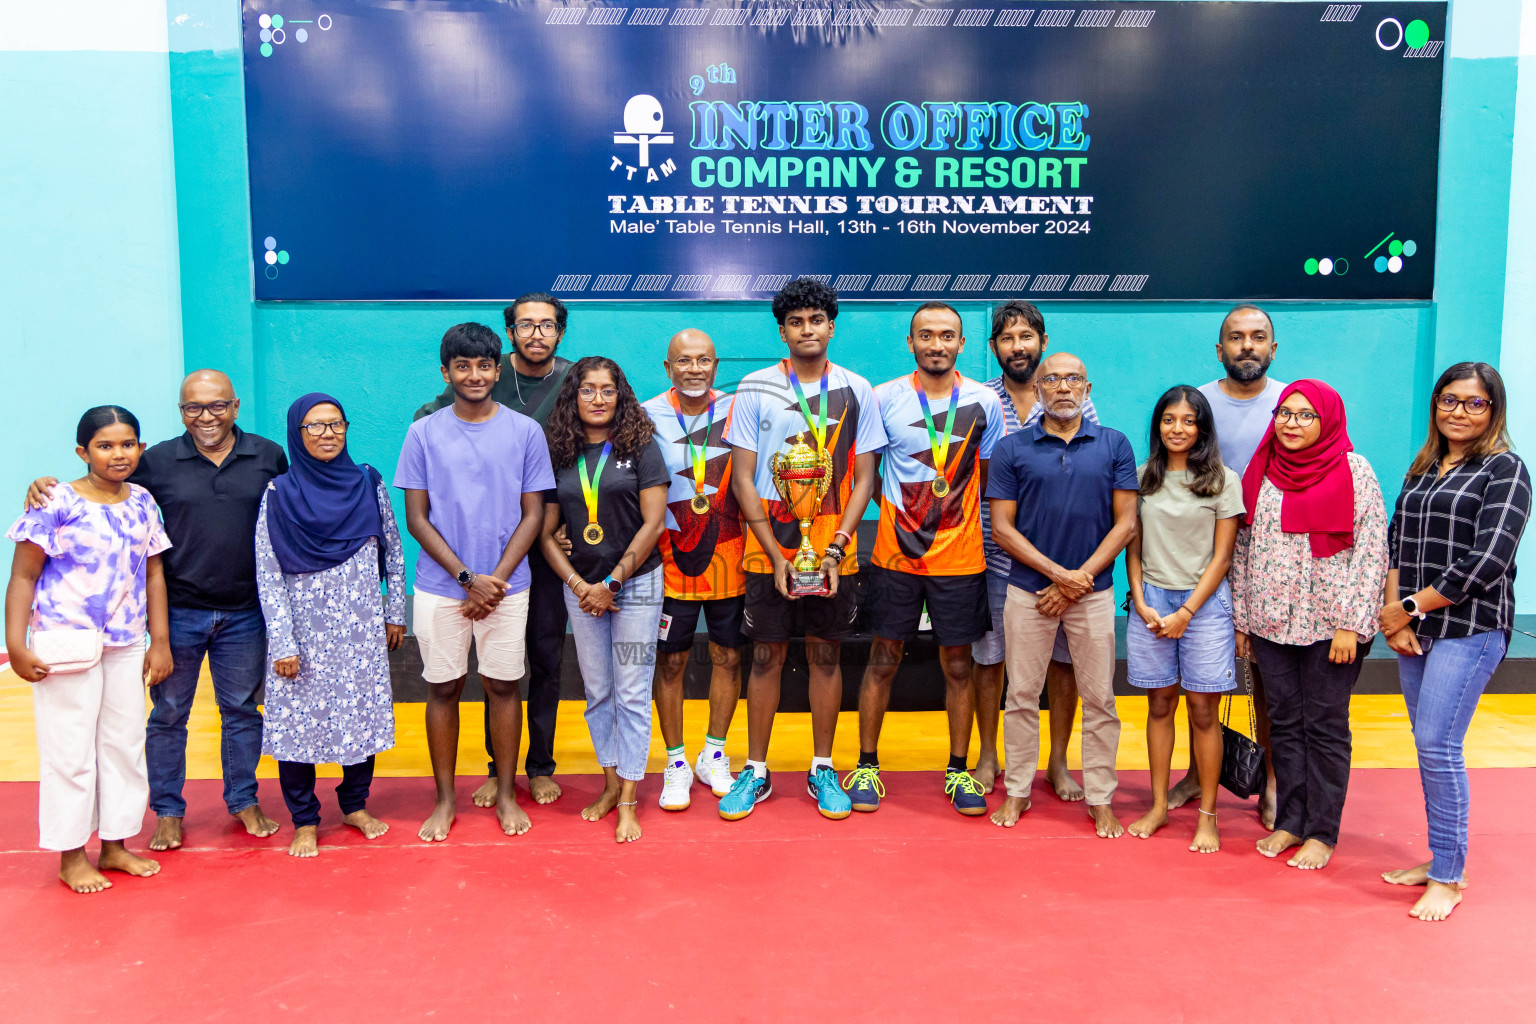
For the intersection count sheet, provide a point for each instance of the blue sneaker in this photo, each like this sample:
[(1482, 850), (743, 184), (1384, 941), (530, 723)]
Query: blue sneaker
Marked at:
[(831, 801), (746, 792), (864, 787), (965, 793)]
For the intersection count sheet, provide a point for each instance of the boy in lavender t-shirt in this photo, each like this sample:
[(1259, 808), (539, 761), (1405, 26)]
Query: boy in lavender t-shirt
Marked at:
[(474, 476)]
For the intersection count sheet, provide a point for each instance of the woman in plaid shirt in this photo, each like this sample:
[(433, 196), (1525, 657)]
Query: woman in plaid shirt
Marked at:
[(1450, 602)]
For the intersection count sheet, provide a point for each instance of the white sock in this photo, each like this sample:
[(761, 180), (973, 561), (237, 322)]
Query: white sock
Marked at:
[(759, 767), (817, 762), (677, 757), (713, 748)]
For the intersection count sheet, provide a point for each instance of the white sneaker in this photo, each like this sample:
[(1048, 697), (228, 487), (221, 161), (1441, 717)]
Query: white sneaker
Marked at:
[(676, 781), (714, 773)]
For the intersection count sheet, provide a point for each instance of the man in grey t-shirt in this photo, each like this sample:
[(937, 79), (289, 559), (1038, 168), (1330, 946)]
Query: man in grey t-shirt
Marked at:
[(1243, 404)]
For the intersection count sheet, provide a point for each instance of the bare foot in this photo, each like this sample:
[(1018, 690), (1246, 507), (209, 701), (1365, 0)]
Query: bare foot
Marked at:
[(1104, 821), (167, 835), (1268, 805), (1276, 843), (986, 773), (1062, 782), (256, 821), (1418, 875), (485, 796), (1181, 794), (605, 802), (512, 819), (544, 788), (1437, 902), (306, 841), (1012, 810), (435, 828), (367, 824), (115, 857), (628, 828), (1207, 838), (77, 872), (1313, 855), (1144, 826)]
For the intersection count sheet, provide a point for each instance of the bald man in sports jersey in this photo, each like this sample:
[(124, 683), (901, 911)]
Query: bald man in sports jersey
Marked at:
[(701, 552), (940, 430)]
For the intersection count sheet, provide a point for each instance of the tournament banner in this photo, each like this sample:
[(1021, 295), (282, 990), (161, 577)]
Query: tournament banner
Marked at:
[(466, 149)]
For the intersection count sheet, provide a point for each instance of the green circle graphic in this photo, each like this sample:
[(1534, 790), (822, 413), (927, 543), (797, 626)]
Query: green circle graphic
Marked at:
[(1416, 34), (1310, 267), (277, 22), (1395, 248), (282, 256), (266, 49)]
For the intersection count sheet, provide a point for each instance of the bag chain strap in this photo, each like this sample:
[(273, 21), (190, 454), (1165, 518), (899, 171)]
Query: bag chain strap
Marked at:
[(1226, 704)]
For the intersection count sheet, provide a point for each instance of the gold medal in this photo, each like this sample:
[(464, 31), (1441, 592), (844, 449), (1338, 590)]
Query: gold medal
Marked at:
[(940, 487), (700, 504), (593, 534)]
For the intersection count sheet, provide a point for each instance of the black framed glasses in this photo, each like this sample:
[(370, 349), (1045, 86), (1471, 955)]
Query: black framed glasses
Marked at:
[(1474, 406), (192, 410), (1304, 418), (337, 427), (545, 328)]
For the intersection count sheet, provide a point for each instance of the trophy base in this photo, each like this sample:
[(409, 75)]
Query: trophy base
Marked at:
[(808, 583)]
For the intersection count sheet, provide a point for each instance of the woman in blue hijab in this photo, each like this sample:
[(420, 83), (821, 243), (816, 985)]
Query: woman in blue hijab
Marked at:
[(325, 535)]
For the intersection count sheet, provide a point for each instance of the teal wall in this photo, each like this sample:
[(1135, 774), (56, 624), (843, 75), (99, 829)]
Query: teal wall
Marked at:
[(380, 358)]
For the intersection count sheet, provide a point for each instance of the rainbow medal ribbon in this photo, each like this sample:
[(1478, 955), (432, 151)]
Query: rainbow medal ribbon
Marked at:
[(593, 534), (939, 447), (817, 426), (697, 456)]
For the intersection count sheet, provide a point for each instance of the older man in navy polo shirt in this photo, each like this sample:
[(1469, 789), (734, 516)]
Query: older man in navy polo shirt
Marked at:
[(1063, 501)]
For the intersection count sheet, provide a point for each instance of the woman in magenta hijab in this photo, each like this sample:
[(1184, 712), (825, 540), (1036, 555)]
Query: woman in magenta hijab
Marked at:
[(1306, 580)]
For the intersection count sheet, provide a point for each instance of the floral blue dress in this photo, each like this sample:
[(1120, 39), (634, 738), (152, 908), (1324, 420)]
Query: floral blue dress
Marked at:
[(340, 708)]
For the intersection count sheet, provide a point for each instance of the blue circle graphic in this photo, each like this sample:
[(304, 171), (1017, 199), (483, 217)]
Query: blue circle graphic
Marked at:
[(1410, 247), (1380, 264), (269, 242)]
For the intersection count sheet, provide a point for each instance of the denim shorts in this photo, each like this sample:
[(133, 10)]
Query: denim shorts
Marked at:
[(991, 649), (1202, 660)]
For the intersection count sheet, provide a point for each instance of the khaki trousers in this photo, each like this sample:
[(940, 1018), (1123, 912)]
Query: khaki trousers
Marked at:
[(1090, 627)]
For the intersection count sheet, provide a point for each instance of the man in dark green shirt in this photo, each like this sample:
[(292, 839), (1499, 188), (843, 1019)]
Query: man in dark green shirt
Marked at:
[(531, 375)]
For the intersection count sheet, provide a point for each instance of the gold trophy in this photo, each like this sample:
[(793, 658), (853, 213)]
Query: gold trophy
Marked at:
[(803, 476)]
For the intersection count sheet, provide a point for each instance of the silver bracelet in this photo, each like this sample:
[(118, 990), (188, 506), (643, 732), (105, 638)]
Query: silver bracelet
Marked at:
[(630, 803), (568, 579)]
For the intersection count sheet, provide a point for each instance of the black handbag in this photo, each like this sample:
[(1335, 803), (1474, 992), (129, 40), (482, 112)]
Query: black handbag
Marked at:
[(1242, 759)]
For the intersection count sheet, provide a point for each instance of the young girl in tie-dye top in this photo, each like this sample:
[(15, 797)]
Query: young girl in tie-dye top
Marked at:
[(90, 560)]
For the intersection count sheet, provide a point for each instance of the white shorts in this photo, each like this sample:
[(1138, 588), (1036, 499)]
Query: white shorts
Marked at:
[(444, 635)]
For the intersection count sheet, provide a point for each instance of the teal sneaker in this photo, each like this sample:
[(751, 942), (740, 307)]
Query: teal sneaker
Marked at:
[(831, 801), (746, 792), (864, 787), (965, 793)]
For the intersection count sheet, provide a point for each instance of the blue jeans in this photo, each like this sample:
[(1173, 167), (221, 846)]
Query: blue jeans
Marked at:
[(236, 646), (1442, 689), (617, 654)]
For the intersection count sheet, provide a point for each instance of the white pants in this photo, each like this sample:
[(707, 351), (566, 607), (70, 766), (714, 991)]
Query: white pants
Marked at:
[(90, 747), (444, 634)]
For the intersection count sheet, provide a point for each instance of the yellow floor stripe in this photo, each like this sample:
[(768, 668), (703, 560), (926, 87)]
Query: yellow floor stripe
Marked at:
[(1501, 737)]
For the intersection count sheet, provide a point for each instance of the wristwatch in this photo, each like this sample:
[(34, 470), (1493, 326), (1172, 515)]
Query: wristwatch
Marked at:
[(1412, 608), (613, 585), (465, 578)]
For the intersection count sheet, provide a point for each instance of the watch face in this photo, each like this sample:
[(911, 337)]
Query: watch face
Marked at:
[(614, 585)]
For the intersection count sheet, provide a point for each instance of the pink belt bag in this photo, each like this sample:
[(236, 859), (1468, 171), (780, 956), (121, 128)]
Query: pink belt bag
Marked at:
[(74, 650)]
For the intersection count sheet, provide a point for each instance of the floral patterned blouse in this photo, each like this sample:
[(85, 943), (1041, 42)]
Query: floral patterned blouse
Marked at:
[(340, 707), (1283, 594), (94, 576)]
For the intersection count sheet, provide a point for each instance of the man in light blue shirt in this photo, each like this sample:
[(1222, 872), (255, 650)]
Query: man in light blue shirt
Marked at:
[(1243, 404)]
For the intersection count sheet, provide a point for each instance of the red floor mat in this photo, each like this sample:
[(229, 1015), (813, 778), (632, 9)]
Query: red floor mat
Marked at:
[(913, 913)]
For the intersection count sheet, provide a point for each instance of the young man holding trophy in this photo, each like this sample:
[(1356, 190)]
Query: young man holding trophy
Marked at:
[(806, 435), (941, 429)]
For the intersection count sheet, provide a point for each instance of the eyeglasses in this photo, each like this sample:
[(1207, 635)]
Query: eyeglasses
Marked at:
[(337, 427), (587, 394), (1473, 406), (1072, 380), (527, 328), (705, 363), (1305, 418), (192, 410)]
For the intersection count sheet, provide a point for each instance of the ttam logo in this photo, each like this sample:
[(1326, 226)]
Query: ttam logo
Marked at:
[(644, 124)]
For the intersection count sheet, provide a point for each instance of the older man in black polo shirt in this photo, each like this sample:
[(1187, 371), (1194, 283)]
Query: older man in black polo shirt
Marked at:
[(208, 483)]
